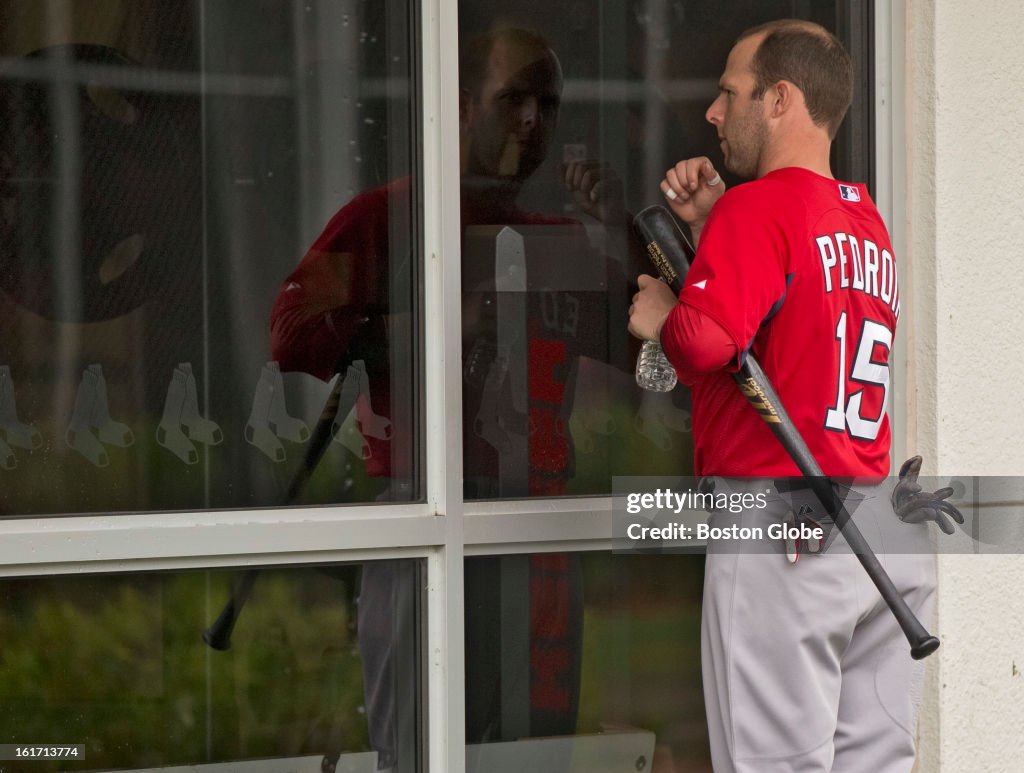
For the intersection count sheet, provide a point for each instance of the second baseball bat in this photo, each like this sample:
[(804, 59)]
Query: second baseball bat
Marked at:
[(670, 251), (218, 634)]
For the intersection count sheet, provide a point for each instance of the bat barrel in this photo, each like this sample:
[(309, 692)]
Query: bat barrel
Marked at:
[(668, 249)]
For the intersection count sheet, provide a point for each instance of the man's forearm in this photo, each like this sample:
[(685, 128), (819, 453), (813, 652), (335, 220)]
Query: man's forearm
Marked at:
[(695, 343)]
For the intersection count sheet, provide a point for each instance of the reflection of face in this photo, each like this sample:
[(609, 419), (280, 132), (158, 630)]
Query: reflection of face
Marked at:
[(509, 123), (739, 119)]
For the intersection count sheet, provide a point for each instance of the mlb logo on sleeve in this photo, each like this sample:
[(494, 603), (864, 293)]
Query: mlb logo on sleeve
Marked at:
[(849, 193)]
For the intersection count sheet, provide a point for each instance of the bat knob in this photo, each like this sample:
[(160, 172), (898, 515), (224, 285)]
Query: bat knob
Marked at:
[(924, 648), (217, 638), (217, 635)]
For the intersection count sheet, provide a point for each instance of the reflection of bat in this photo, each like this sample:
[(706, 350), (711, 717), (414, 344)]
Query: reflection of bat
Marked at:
[(671, 253), (218, 634)]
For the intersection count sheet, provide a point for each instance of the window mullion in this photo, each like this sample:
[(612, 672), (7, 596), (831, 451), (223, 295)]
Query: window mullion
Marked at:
[(445, 659), (890, 180)]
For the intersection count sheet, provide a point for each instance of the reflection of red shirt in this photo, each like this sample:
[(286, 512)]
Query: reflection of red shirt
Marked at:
[(798, 268), (324, 303), (344, 278), (343, 274)]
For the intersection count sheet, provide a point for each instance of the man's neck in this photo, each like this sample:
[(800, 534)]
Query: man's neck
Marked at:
[(809, 152)]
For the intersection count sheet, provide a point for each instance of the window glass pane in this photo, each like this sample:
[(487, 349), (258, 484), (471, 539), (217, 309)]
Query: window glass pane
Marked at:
[(117, 663), (641, 654), (594, 656), (164, 168), (570, 116)]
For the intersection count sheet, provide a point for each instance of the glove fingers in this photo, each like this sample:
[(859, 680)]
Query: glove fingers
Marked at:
[(913, 504), (953, 512), (922, 499), (922, 503), (944, 523), (919, 515)]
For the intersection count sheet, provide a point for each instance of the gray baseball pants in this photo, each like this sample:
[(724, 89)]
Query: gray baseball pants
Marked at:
[(804, 666)]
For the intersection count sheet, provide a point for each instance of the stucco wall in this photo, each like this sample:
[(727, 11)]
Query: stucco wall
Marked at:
[(965, 226)]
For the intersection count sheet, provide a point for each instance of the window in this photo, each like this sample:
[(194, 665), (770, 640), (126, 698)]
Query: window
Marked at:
[(115, 663), (212, 209), (180, 293)]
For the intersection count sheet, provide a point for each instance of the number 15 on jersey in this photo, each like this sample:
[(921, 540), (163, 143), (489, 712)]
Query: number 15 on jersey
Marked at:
[(846, 414)]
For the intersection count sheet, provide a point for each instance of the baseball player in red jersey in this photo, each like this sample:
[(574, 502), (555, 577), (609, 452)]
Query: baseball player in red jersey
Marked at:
[(804, 668)]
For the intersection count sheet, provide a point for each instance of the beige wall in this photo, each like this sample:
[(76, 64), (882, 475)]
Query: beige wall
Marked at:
[(965, 249)]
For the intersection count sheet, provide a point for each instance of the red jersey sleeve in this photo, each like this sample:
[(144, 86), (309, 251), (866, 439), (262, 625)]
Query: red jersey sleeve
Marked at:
[(739, 275), (339, 283), (694, 343)]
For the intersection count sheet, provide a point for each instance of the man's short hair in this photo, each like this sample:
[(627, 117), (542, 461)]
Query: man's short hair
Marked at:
[(474, 56), (811, 58)]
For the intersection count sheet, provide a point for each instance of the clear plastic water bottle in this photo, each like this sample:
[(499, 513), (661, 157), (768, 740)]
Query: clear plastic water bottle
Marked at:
[(653, 370)]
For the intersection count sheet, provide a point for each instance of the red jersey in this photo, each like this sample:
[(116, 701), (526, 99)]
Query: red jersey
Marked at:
[(798, 269)]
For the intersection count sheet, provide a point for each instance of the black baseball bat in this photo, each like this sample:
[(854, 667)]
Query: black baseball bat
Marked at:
[(218, 634), (672, 253)]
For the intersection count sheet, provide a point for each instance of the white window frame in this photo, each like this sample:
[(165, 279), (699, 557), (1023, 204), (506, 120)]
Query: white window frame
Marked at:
[(240, 538), (891, 193)]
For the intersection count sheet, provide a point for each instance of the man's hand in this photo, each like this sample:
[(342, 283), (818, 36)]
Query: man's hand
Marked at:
[(912, 505), (596, 189), (691, 188), (650, 308)]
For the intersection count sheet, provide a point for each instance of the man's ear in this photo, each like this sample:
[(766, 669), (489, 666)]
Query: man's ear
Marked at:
[(781, 98)]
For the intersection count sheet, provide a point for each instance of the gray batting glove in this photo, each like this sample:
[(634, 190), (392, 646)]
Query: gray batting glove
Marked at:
[(912, 505)]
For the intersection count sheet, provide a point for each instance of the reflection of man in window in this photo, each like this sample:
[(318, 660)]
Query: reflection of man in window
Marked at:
[(354, 284), (350, 292), (509, 100)]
